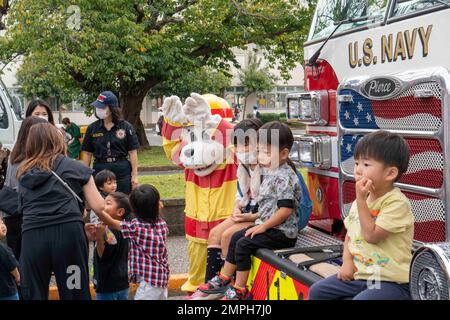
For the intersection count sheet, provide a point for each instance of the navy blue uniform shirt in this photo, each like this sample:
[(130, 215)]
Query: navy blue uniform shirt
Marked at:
[(115, 143)]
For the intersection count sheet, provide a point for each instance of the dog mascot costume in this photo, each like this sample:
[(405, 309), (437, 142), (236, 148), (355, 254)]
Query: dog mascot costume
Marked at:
[(197, 137)]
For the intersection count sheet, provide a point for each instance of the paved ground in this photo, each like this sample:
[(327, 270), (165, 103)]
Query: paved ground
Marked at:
[(153, 138), (177, 250), (178, 260)]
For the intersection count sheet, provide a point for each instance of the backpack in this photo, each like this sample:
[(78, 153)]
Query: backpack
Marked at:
[(305, 208), (305, 205)]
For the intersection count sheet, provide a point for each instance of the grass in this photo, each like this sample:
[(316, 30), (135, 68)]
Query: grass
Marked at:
[(170, 186), (154, 157)]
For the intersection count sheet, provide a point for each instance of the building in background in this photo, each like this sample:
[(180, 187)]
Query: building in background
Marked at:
[(273, 101)]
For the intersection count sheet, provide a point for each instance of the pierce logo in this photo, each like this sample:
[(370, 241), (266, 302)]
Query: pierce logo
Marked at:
[(382, 88)]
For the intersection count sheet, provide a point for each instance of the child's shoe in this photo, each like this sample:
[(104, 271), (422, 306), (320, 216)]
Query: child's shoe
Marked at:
[(214, 289), (237, 294)]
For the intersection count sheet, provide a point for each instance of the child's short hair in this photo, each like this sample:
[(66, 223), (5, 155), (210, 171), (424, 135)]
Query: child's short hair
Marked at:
[(385, 147), (144, 201), (103, 176), (122, 203), (285, 136), (243, 127)]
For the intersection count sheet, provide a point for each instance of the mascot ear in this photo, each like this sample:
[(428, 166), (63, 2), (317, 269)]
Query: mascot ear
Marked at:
[(172, 110), (196, 108)]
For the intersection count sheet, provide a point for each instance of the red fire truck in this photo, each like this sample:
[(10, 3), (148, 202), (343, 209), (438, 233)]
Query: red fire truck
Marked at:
[(369, 65)]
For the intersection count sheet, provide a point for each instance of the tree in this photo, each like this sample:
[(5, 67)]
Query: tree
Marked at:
[(130, 46), (255, 78), (38, 78), (203, 80)]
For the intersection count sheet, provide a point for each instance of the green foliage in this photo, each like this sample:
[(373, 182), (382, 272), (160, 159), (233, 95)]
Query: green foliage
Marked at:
[(267, 117), (202, 80), (53, 84), (256, 78), (270, 116)]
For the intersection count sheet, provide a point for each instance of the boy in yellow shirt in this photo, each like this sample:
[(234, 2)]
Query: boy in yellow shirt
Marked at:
[(380, 227)]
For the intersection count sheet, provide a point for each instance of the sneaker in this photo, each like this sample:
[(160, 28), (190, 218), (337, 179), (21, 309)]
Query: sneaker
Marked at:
[(215, 288), (236, 294), (200, 295)]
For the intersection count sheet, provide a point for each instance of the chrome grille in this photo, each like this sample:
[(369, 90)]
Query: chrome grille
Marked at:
[(405, 112), (426, 165), (429, 213), (420, 114)]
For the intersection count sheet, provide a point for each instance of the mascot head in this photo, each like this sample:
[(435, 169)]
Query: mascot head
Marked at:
[(205, 139)]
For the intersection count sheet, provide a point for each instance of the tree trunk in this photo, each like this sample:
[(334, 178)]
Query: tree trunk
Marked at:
[(131, 108)]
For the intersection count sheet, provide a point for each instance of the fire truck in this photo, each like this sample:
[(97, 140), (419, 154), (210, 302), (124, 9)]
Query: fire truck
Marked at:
[(10, 117), (369, 65)]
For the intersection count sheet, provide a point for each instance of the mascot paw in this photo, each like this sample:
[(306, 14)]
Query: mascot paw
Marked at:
[(172, 110), (196, 108)]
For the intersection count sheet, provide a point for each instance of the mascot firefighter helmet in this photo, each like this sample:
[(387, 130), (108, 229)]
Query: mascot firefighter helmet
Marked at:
[(219, 106)]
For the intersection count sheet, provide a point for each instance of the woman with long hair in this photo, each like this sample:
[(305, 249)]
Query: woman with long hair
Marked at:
[(14, 223), (112, 142), (53, 236), (40, 108)]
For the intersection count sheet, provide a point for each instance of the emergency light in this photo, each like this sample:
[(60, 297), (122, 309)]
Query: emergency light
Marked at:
[(308, 107), (312, 151)]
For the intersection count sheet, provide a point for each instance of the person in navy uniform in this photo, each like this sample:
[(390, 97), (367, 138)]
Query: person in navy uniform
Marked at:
[(113, 143)]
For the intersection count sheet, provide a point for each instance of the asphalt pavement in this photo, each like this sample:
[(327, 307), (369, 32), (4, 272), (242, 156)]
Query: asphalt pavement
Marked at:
[(153, 138)]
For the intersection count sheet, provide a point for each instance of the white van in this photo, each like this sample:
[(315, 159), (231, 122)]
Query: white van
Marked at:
[(10, 117)]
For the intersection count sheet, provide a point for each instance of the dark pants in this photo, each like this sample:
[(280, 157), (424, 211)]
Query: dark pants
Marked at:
[(334, 289), (62, 249), (14, 235), (241, 247), (122, 170)]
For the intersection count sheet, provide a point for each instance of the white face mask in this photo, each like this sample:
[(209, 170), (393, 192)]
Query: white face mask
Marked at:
[(101, 113), (247, 157), (43, 117)]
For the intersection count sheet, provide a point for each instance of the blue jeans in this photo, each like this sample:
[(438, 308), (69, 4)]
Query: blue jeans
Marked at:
[(13, 297), (118, 295), (333, 289)]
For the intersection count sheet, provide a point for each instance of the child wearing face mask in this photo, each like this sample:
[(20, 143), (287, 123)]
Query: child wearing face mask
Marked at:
[(245, 211)]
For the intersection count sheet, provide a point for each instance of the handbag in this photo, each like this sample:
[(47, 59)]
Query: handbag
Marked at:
[(9, 201)]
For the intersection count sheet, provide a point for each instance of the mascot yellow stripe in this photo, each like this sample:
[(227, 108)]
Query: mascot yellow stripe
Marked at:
[(207, 207)]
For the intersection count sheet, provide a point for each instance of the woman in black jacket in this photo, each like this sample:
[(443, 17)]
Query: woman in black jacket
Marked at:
[(53, 237), (14, 223)]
